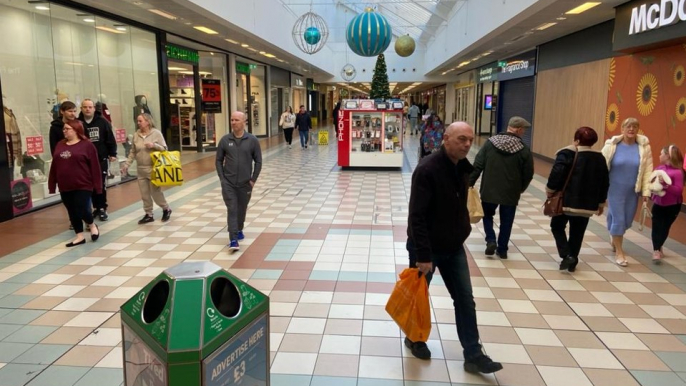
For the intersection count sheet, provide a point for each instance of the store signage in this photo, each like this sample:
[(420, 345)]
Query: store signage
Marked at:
[(245, 68), (648, 17), (488, 73), (242, 360), (120, 135), (21, 195), (517, 67), (34, 145), (647, 23), (182, 53), (211, 96)]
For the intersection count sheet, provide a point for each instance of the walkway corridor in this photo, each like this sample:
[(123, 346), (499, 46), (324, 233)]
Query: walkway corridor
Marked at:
[(326, 245)]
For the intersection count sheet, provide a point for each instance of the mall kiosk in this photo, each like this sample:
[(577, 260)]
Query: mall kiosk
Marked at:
[(370, 133)]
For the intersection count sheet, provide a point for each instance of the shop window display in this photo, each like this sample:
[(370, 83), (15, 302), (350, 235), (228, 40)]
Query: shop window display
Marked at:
[(58, 53)]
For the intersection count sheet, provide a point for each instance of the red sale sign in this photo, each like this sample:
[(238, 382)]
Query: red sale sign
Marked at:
[(34, 145), (211, 96), (120, 135)]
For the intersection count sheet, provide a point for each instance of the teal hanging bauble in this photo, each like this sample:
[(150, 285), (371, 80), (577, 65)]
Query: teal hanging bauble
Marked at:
[(369, 33), (312, 35)]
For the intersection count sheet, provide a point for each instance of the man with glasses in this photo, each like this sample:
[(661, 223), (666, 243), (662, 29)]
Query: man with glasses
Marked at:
[(438, 225), (99, 131), (508, 168)]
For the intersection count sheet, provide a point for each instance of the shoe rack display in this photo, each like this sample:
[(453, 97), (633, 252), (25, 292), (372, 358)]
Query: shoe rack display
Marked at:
[(182, 101), (372, 134)]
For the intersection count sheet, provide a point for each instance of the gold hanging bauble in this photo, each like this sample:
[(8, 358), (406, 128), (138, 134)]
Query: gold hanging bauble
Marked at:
[(404, 46)]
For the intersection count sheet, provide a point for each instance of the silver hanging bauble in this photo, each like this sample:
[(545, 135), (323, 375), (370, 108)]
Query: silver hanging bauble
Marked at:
[(310, 33), (348, 72)]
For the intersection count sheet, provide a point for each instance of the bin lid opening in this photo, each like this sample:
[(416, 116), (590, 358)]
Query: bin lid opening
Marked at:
[(156, 301), (225, 297)]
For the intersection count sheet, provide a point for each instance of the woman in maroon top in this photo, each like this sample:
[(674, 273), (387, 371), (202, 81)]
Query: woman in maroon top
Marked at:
[(76, 170)]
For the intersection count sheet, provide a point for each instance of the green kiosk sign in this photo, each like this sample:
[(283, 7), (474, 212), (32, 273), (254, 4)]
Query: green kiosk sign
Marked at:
[(244, 68), (196, 325), (183, 54)]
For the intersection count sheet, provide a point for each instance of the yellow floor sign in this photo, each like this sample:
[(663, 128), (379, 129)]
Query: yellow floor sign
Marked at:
[(323, 137)]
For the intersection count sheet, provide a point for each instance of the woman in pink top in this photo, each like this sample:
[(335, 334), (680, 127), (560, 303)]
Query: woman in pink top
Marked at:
[(666, 208)]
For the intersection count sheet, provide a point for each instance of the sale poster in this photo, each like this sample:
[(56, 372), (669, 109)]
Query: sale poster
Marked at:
[(21, 195), (211, 96), (34, 145), (120, 135)]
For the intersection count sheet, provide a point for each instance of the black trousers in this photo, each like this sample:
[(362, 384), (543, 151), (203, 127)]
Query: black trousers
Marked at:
[(78, 204), (663, 218), (288, 134), (100, 200), (577, 228)]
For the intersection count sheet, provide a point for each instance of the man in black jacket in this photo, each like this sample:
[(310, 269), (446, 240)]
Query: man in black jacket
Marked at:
[(99, 130), (67, 112), (438, 225), (508, 168), (303, 123)]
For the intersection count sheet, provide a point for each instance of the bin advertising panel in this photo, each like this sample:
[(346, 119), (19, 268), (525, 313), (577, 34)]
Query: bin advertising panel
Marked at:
[(242, 360), (141, 366)]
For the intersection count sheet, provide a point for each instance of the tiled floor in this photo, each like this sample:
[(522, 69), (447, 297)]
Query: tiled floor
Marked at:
[(326, 245)]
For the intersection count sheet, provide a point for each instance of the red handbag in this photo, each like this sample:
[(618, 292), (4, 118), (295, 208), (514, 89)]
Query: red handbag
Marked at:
[(553, 205)]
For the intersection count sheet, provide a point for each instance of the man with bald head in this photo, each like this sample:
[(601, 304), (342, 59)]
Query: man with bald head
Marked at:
[(236, 153), (437, 227)]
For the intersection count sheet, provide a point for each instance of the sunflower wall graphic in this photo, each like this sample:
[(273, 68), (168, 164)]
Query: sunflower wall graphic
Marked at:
[(651, 87), (646, 95)]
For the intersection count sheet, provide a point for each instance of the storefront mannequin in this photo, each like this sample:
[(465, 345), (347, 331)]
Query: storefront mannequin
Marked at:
[(101, 107), (13, 137), (141, 107)]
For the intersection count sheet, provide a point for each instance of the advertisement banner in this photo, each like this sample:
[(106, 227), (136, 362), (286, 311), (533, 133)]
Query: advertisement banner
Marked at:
[(34, 145), (211, 96), (344, 139), (21, 195), (142, 367), (120, 135)]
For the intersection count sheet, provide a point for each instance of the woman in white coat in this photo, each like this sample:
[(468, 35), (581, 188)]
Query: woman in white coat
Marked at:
[(630, 162), (287, 123)]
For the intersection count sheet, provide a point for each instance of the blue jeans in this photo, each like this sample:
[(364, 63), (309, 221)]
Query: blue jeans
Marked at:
[(304, 134), (455, 273), (507, 215)]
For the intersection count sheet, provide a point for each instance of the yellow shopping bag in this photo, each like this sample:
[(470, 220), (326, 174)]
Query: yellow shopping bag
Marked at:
[(166, 168), (409, 305)]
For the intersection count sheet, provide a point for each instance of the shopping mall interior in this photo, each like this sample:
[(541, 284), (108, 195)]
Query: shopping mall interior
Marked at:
[(326, 226)]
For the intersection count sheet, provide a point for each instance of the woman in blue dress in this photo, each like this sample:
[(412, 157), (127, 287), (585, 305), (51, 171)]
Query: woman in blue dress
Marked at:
[(630, 162)]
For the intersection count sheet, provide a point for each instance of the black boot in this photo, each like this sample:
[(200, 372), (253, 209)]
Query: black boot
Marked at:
[(569, 263)]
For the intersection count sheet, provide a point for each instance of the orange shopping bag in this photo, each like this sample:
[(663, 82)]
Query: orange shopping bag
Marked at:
[(409, 305)]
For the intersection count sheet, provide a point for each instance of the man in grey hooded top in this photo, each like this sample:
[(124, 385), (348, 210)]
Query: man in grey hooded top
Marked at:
[(508, 168), (236, 153)]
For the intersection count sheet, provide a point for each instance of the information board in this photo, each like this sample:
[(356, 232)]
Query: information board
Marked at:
[(242, 360)]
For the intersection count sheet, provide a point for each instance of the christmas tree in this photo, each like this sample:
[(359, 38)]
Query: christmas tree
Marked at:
[(380, 89)]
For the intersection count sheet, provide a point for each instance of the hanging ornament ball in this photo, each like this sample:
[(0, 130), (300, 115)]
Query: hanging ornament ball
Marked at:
[(369, 33), (404, 46), (312, 36), (310, 33), (348, 72)]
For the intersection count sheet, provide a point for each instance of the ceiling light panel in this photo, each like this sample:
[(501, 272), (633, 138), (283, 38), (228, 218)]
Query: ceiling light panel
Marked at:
[(545, 26), (206, 30), (583, 8), (163, 14)]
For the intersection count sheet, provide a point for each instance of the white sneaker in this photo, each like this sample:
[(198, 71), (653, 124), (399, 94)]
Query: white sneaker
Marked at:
[(289, 146)]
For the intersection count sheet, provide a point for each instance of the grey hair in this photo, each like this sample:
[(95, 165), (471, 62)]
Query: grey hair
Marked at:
[(149, 119)]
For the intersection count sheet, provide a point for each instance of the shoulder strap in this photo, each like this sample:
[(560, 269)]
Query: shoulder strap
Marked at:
[(569, 176)]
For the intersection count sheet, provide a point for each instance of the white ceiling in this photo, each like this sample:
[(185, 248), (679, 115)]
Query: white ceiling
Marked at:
[(421, 19)]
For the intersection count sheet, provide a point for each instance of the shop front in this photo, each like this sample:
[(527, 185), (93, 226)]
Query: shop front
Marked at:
[(251, 95), (649, 82), (198, 95), (55, 54), (280, 94), (516, 91), (299, 92), (464, 102)]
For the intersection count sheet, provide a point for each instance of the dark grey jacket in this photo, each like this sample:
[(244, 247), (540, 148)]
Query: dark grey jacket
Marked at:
[(235, 157)]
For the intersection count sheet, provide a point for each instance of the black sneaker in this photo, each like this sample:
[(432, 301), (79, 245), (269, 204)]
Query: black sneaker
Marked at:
[(146, 219), (490, 248), (482, 364), (502, 255), (103, 215), (419, 349), (166, 214)]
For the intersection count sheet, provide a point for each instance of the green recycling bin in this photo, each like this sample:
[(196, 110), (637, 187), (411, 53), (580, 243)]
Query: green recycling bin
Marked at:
[(196, 324)]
